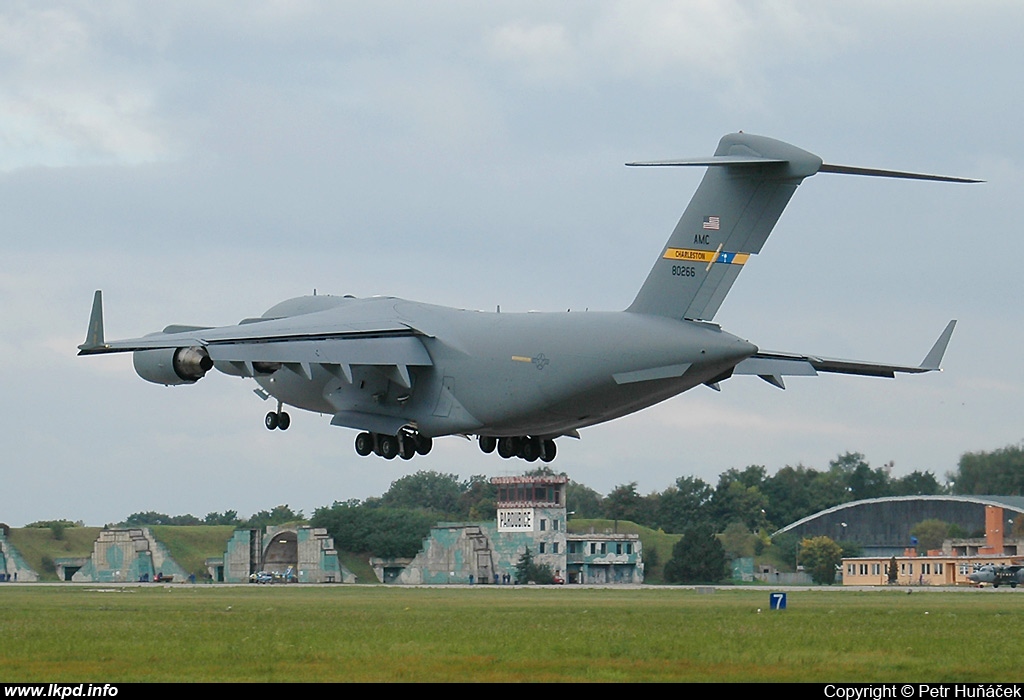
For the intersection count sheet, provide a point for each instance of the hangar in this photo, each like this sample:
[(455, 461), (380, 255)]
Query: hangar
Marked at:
[(300, 554), (953, 564), (881, 526)]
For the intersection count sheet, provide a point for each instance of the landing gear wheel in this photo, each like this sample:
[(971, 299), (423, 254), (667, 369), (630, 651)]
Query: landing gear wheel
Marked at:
[(270, 421), (530, 449), (547, 452), (407, 446), (364, 444), (388, 446), (488, 443), (283, 421), (423, 444), (508, 447)]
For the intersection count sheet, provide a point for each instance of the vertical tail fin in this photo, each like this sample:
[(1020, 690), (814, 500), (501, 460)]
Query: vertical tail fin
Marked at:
[(729, 218), (749, 181)]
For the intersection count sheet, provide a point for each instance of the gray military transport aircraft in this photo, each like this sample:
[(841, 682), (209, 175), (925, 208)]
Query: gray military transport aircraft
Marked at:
[(404, 372)]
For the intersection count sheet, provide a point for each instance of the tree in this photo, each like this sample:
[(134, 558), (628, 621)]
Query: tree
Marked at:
[(479, 499), (790, 494), (228, 517), (996, 473), (623, 503), (154, 518), (916, 483), (147, 518), (786, 548), (583, 501), (278, 515), (890, 571), (528, 570), (429, 490), (734, 501), (850, 549), (821, 556), (738, 541), (861, 480), (930, 534), (684, 505), (57, 527), (698, 557), (796, 492), (377, 530)]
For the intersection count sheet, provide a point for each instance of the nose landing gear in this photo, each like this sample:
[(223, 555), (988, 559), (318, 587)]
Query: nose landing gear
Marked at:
[(277, 419)]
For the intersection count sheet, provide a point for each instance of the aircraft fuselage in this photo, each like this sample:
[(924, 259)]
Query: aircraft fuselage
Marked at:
[(506, 374)]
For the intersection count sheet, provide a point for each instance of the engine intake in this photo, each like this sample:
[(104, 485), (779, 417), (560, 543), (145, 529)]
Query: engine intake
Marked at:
[(172, 366)]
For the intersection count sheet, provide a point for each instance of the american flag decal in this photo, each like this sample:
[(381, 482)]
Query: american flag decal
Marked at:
[(711, 223)]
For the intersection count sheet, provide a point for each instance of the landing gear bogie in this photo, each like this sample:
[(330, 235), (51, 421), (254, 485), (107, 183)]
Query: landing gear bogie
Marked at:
[(528, 447), (406, 445)]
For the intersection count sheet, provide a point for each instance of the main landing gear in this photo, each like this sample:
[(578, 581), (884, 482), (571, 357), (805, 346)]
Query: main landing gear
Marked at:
[(405, 445), (525, 447)]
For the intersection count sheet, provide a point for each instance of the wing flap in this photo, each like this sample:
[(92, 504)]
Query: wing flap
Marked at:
[(392, 355)]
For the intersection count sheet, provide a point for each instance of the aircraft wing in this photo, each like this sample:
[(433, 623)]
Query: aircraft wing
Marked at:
[(295, 342), (773, 366)]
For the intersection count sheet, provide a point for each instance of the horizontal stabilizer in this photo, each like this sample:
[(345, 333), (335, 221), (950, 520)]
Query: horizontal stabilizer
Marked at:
[(875, 172), (709, 161), (772, 366), (712, 161)]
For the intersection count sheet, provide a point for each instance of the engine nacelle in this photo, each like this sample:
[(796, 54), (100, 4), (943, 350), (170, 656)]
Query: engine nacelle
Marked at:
[(172, 366)]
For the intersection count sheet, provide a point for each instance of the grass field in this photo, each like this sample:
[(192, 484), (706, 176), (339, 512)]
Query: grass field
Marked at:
[(68, 633)]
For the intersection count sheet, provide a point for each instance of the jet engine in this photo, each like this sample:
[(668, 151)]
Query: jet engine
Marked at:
[(172, 366)]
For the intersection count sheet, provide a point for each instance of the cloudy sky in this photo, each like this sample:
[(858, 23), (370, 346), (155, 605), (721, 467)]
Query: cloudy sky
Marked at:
[(202, 161)]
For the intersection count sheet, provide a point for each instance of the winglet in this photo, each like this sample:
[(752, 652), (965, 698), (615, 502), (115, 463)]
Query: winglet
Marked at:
[(934, 357), (94, 336)]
